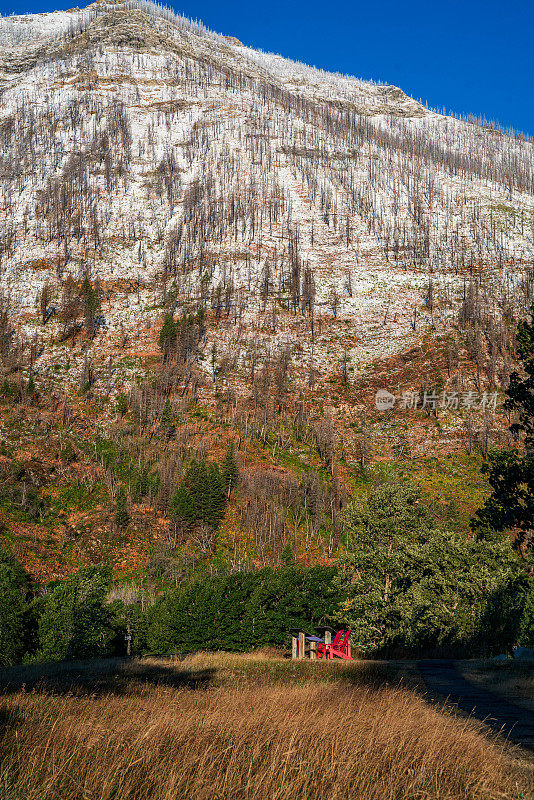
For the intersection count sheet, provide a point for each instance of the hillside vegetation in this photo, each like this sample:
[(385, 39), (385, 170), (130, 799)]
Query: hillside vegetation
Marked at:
[(205, 247)]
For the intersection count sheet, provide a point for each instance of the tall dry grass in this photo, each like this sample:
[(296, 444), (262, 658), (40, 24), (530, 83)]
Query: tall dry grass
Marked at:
[(228, 738)]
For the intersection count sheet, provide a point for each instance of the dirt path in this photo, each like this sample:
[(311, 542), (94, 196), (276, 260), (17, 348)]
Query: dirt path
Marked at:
[(513, 722)]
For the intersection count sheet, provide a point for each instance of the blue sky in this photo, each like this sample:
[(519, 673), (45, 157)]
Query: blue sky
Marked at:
[(474, 56)]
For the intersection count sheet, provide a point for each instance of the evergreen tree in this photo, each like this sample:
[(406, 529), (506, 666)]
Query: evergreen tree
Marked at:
[(71, 303), (520, 392), (122, 517), (122, 403), (30, 386), (289, 597), (91, 302), (511, 472), (168, 336), (288, 557), (201, 495), (230, 471), (167, 417), (242, 611), (214, 497), (182, 507), (509, 614), (168, 621)]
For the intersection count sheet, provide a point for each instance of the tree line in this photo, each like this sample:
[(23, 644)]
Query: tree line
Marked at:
[(403, 586)]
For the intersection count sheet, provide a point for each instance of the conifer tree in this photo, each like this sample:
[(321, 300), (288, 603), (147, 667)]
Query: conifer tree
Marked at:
[(520, 392), (167, 336), (201, 495), (75, 621), (182, 507), (122, 517), (70, 308), (230, 471), (288, 557), (167, 415), (91, 301), (216, 495), (30, 386)]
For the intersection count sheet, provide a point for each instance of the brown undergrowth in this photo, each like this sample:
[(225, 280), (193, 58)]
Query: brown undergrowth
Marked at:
[(232, 727)]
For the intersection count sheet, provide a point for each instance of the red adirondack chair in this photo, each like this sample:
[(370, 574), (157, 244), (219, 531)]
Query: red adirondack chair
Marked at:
[(340, 647), (322, 652), (317, 639)]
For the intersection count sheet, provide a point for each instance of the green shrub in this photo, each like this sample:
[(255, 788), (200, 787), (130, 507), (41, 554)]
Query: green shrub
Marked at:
[(75, 622), (509, 614), (167, 336), (14, 587), (122, 403)]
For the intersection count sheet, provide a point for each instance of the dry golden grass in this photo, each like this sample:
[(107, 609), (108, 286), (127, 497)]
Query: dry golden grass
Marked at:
[(217, 727)]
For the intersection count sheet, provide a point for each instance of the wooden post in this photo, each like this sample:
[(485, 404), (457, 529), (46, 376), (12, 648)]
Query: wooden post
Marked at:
[(327, 640), (313, 651), (302, 644), (128, 637), (294, 646)]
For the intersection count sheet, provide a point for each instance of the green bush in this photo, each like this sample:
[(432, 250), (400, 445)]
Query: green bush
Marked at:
[(121, 401), (14, 589), (509, 614), (75, 622), (168, 335), (510, 507)]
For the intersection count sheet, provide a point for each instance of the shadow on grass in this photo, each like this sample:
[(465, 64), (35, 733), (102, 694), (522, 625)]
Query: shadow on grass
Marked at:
[(115, 676), (121, 676)]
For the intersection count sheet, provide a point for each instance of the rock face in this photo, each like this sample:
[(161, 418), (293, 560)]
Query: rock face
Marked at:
[(311, 213)]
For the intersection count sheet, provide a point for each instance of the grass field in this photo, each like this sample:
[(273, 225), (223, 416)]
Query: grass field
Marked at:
[(240, 727)]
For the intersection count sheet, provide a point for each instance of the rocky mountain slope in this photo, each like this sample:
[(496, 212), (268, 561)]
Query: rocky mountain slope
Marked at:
[(314, 235), (143, 148)]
